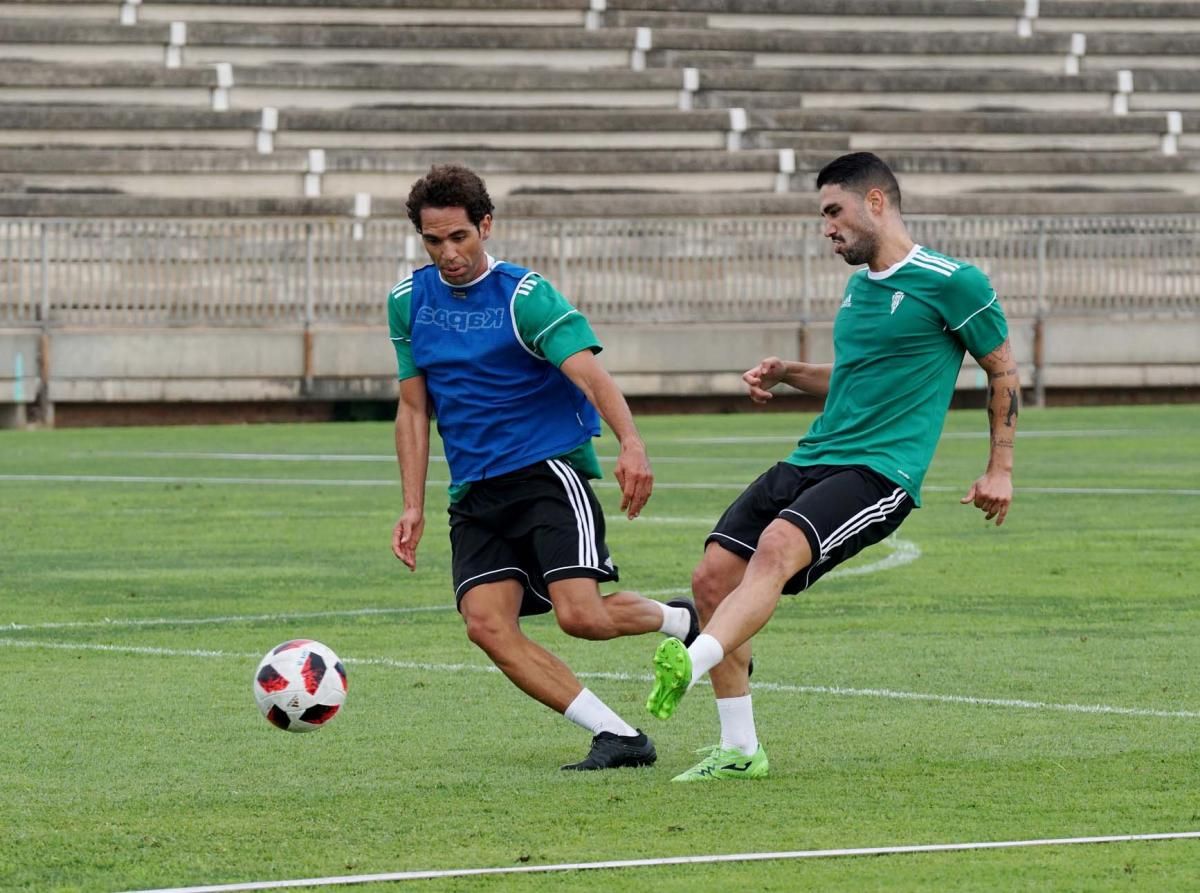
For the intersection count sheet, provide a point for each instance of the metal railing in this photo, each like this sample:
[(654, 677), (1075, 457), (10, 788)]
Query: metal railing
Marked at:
[(124, 272)]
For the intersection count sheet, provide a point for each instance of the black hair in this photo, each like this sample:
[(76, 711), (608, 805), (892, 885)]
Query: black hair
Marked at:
[(449, 186), (861, 172)]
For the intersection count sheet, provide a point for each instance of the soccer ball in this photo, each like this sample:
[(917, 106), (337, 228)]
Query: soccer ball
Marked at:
[(300, 685)]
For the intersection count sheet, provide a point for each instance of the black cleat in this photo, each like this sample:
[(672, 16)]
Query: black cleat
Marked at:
[(611, 751), (694, 626)]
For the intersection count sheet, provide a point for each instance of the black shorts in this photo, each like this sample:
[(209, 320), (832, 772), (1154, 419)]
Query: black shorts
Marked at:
[(841, 509), (538, 524)]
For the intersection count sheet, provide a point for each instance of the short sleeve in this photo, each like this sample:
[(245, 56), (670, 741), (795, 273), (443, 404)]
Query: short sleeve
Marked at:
[(550, 326), (400, 327), (972, 311)]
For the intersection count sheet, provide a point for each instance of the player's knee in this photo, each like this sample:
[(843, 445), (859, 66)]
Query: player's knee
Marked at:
[(488, 631), (709, 588), (783, 549)]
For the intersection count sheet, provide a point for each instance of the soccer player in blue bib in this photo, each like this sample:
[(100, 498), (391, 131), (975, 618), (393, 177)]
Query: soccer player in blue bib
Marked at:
[(906, 320), (508, 368)]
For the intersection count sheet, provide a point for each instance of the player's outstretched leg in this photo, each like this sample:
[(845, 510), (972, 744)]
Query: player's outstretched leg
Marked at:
[(672, 677)]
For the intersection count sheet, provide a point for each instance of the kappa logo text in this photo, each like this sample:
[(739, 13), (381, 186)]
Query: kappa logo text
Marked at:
[(461, 320)]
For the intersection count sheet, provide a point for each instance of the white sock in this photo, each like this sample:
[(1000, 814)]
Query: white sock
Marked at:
[(589, 711), (677, 622), (737, 724), (706, 652)]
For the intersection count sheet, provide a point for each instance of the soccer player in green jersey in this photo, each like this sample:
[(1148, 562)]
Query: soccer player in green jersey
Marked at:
[(905, 322)]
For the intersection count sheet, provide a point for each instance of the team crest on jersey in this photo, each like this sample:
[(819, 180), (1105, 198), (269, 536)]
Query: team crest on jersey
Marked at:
[(897, 297), (846, 300)]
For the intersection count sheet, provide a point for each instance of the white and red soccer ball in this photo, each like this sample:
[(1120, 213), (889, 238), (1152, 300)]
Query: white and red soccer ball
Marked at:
[(300, 685)]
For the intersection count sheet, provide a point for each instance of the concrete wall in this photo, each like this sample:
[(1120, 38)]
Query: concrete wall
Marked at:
[(356, 363)]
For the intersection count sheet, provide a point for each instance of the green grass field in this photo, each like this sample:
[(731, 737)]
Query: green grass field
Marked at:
[(958, 684)]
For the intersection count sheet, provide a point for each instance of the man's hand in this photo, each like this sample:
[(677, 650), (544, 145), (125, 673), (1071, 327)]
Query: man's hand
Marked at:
[(763, 377), (634, 477), (406, 535), (991, 494)]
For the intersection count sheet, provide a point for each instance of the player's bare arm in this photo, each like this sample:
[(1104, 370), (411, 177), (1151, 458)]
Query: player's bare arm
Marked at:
[(412, 452), (992, 493), (633, 472), (812, 378)]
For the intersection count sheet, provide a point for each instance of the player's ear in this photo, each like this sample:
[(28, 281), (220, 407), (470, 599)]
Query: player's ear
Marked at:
[(875, 200), (485, 227)]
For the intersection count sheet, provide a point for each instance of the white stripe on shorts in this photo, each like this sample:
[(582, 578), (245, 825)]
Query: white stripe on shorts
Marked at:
[(584, 523), (863, 519)]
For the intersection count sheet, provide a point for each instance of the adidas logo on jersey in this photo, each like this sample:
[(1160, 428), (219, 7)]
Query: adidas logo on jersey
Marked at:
[(846, 300)]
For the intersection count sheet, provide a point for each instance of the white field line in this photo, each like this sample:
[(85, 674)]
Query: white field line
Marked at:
[(894, 850), (360, 482), (1015, 703), (781, 688), (294, 482), (343, 457), (390, 458), (203, 621), (946, 435), (1085, 491), (903, 552)]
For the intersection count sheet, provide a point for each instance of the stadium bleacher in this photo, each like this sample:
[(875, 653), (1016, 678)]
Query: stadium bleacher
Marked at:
[(174, 171), (982, 106)]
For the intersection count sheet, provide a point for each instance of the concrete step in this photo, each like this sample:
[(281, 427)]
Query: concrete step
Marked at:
[(520, 13), (932, 172), (917, 15), (764, 122), (933, 101), (211, 42), (653, 19), (883, 143), (543, 129), (338, 86), (343, 86), (129, 125), (292, 172), (523, 13), (940, 49), (845, 9), (1092, 16), (106, 11), (931, 88), (289, 172), (559, 204)]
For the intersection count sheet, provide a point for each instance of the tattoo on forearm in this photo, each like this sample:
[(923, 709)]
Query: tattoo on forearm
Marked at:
[(1013, 411), (1002, 442), (1002, 353)]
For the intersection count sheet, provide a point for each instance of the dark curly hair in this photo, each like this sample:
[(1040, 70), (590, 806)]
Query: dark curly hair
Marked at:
[(861, 172), (449, 186)]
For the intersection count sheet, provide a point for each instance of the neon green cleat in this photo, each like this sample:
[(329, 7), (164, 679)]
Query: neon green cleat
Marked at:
[(726, 762), (672, 677)]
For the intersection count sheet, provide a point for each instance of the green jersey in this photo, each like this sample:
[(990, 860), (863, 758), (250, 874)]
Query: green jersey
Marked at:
[(898, 345)]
